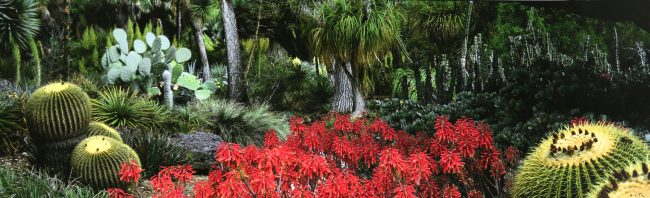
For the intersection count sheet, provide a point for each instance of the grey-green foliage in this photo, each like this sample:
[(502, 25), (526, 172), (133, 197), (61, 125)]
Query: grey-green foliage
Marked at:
[(141, 63), (36, 184)]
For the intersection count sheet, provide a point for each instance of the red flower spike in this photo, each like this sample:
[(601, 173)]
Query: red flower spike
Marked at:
[(404, 192), (118, 193), (263, 184), (271, 139), (444, 129), (232, 187), (183, 173), (450, 162), (130, 172), (475, 194), (297, 125), (313, 167), (451, 191), (215, 177), (421, 167), (391, 159), (230, 154), (203, 189)]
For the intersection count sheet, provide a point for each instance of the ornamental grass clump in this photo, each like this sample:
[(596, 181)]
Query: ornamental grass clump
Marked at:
[(574, 160)]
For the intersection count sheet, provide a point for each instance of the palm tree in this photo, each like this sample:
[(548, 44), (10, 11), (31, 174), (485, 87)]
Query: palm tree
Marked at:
[(18, 25), (354, 33), (203, 11), (236, 89)]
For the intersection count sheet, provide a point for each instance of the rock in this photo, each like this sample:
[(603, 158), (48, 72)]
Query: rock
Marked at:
[(6, 86), (201, 146)]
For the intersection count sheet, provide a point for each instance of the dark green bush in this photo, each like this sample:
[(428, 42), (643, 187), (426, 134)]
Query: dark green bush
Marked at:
[(36, 184), (118, 108), (406, 115), (12, 124), (155, 150)]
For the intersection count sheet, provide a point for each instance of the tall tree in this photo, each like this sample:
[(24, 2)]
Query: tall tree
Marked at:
[(236, 89), (355, 33), (203, 11), (18, 25)]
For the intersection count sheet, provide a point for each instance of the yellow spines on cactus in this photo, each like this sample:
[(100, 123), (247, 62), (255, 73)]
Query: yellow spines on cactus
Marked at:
[(98, 159), (574, 160), (98, 128), (58, 111), (629, 182)]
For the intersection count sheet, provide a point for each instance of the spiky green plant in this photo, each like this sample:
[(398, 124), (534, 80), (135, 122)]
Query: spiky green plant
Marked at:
[(18, 24), (117, 107), (98, 128), (12, 124), (97, 160), (155, 150), (38, 184), (630, 181), (57, 111), (574, 160)]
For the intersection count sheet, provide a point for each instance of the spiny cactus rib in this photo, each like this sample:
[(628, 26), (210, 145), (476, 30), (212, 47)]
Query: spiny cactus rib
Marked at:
[(629, 182), (574, 160), (98, 128), (58, 111), (97, 160)]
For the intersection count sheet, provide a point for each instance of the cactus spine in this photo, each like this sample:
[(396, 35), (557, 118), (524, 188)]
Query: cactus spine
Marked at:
[(576, 159), (98, 128), (631, 181), (97, 160)]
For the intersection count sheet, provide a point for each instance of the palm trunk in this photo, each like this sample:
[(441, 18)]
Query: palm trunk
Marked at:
[(359, 102), (204, 55), (15, 49), (235, 74), (37, 61), (342, 101)]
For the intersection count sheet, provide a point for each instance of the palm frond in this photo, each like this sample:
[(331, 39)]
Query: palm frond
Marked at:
[(18, 21)]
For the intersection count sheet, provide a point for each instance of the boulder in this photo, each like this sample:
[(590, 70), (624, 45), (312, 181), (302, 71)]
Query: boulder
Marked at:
[(201, 146)]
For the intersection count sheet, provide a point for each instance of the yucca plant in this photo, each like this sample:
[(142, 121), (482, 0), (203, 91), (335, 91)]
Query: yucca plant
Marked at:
[(118, 108)]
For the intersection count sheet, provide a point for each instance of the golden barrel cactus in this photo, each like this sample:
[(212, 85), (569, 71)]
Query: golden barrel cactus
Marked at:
[(97, 160)]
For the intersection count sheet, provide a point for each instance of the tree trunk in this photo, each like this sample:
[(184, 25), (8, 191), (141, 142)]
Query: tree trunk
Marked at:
[(359, 102), (428, 86), (235, 73), (37, 61), (178, 22), (342, 101), (198, 25), (418, 81), (15, 49)]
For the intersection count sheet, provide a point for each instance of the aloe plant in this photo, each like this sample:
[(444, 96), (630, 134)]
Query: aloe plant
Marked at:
[(135, 64)]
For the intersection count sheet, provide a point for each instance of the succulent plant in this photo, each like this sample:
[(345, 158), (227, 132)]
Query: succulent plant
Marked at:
[(631, 181), (97, 160), (58, 111), (148, 57), (574, 160), (98, 128)]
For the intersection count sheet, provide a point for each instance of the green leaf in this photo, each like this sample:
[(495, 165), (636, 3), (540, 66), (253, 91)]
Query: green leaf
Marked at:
[(114, 54), (177, 69), (123, 58), (124, 46), (133, 60), (153, 91), (202, 94), (164, 42), (126, 74), (139, 46), (155, 47), (188, 81), (157, 57), (183, 54), (145, 67), (119, 34), (150, 37), (169, 56), (114, 72)]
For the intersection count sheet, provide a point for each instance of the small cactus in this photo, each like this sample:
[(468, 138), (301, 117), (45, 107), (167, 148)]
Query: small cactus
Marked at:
[(631, 181), (571, 162), (97, 160), (98, 128)]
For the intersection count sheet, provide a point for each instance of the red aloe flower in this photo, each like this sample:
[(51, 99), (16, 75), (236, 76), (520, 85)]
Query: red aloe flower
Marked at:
[(183, 173), (511, 155), (271, 139), (450, 162), (444, 129), (263, 184), (230, 155), (313, 166), (342, 123), (215, 177), (391, 159), (118, 193), (485, 139), (162, 182), (297, 125), (451, 191), (203, 189), (421, 167), (404, 192), (232, 186), (475, 194), (130, 172)]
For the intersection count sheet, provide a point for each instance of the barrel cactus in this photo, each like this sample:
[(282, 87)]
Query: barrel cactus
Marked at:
[(98, 128), (631, 181), (58, 111), (574, 160), (97, 160)]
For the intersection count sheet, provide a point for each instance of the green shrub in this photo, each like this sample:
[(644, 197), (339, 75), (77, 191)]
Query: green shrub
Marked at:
[(118, 108), (12, 124), (155, 150), (235, 122), (186, 119), (36, 184), (405, 115)]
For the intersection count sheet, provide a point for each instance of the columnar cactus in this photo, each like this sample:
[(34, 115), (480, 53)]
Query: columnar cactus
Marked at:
[(58, 111), (98, 128), (97, 160), (631, 181), (574, 160)]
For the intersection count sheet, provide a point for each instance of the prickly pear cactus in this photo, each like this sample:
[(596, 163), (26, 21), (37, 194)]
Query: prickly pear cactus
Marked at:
[(98, 128), (58, 111), (97, 160), (574, 160)]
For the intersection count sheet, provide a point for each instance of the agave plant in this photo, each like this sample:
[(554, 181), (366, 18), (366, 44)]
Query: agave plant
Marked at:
[(118, 107), (18, 24)]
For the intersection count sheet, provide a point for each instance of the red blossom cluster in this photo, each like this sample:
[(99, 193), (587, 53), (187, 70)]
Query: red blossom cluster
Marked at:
[(341, 157)]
